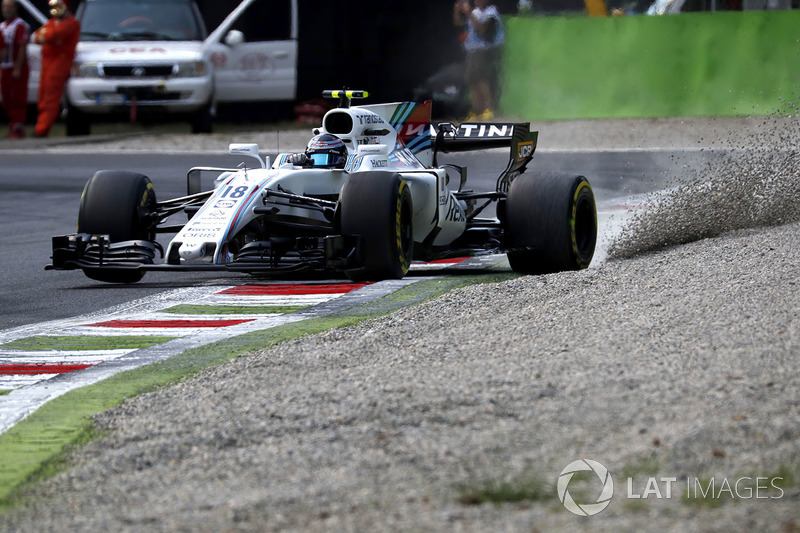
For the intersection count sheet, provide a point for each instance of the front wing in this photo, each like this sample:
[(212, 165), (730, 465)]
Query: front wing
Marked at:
[(83, 251)]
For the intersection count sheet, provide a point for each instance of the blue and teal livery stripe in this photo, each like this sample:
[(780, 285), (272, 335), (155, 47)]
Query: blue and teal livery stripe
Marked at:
[(235, 220), (422, 140), (401, 114)]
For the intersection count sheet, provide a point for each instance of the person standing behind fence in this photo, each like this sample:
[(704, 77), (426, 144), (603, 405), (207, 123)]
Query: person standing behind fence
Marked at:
[(483, 43), (59, 38), (14, 68)]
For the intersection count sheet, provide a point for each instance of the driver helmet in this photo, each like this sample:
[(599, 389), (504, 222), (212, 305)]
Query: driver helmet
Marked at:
[(326, 151), (58, 8)]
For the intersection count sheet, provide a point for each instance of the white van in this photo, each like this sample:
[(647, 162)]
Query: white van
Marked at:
[(138, 57)]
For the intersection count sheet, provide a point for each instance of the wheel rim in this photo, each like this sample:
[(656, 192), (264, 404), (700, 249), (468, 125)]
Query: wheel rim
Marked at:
[(405, 227), (144, 226), (584, 225)]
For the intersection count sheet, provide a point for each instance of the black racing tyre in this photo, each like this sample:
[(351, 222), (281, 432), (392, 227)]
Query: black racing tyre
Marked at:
[(377, 207), (120, 204), (551, 223)]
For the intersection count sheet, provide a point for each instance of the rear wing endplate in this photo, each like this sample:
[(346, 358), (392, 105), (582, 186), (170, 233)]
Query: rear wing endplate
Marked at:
[(480, 136)]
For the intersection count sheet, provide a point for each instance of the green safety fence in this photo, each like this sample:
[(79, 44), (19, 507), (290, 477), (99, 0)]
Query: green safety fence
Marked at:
[(693, 64)]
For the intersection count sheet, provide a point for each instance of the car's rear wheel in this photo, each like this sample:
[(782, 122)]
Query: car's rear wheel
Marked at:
[(377, 207), (119, 204), (551, 223)]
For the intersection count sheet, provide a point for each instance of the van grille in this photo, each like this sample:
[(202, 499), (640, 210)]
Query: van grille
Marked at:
[(138, 71)]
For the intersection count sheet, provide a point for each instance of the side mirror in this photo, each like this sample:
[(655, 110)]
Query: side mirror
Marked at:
[(250, 150), (234, 38)]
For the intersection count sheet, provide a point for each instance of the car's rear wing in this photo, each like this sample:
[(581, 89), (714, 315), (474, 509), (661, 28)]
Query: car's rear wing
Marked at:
[(481, 136)]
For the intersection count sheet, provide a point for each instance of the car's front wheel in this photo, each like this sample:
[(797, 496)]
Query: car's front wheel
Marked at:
[(377, 207), (119, 204)]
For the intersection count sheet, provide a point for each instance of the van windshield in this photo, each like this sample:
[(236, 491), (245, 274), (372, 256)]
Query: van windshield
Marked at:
[(140, 20)]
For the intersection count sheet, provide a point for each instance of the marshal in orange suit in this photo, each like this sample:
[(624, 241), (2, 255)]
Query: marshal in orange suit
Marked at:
[(59, 38)]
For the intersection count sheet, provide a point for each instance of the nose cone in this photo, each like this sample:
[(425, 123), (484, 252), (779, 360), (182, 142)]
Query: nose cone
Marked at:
[(197, 252)]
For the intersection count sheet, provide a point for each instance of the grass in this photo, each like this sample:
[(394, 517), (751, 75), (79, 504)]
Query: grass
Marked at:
[(50, 466), (784, 477), (84, 342), (644, 466), (525, 487)]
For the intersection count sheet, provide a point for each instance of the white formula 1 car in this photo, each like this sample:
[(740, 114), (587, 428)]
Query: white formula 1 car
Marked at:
[(365, 199)]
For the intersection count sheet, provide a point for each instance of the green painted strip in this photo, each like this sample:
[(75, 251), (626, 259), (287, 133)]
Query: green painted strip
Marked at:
[(65, 342), (34, 448), (3, 392), (190, 309)]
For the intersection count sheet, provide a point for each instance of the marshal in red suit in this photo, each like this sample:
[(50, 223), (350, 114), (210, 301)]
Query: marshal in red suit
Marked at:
[(59, 38)]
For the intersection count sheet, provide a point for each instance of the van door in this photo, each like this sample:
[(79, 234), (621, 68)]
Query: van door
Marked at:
[(254, 52)]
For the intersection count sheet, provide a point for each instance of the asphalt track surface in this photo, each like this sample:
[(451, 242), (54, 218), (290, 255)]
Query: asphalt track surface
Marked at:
[(40, 192)]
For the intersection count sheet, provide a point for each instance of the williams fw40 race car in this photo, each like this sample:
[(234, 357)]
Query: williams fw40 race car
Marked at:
[(365, 199)]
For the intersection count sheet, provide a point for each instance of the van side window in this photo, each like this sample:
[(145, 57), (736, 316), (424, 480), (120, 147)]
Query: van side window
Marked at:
[(266, 20)]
